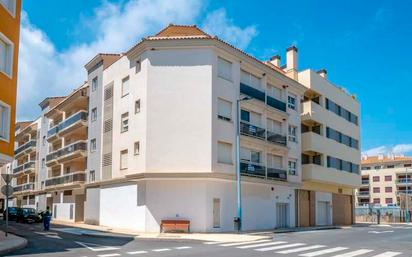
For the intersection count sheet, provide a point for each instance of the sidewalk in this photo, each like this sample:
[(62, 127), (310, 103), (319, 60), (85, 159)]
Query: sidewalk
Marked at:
[(11, 243)]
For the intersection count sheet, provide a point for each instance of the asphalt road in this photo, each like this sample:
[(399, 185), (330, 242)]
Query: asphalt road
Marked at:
[(369, 241)]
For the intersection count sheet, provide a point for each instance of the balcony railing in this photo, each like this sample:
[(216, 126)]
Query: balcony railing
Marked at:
[(277, 174), (276, 138), (250, 169), (404, 180), (252, 92), (24, 187), (27, 145), (363, 193), (275, 103), (66, 179), (77, 146), (25, 166), (251, 130), (79, 116), (365, 182)]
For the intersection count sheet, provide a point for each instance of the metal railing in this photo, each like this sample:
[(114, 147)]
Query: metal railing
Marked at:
[(24, 187), (363, 193), (247, 168), (251, 130), (278, 174), (252, 92), (79, 145), (78, 116), (275, 103), (404, 180), (31, 143), (276, 138), (24, 166), (365, 182), (66, 179)]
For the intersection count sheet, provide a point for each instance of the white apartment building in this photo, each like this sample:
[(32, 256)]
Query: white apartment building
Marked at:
[(384, 180), (163, 122)]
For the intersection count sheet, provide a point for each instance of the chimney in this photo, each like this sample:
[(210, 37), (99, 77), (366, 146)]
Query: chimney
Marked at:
[(323, 73), (275, 60), (292, 62)]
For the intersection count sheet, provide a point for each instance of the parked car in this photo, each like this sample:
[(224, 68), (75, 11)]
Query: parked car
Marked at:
[(12, 211), (28, 215)]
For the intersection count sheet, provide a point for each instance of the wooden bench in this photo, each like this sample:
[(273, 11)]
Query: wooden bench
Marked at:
[(175, 226)]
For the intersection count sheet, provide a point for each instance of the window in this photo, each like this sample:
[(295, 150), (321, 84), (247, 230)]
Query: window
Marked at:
[(93, 145), (224, 69), (43, 163), (6, 55), (292, 167), (274, 161), (249, 155), (136, 148), (94, 114), (224, 153), (125, 86), (123, 159), (340, 111), (390, 166), (388, 200), (376, 200), (274, 92), (376, 190), (407, 165), (249, 79), (388, 189), (10, 5), (94, 84), (388, 178), (292, 133), (92, 176), (292, 102), (125, 122), (44, 140), (375, 179), (138, 66), (274, 126), (4, 122), (224, 109), (137, 106)]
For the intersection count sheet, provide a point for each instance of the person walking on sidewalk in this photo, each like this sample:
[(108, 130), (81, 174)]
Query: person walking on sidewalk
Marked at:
[(46, 219)]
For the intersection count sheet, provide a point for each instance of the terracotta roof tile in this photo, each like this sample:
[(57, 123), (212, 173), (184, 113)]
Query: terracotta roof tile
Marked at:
[(385, 159), (181, 30)]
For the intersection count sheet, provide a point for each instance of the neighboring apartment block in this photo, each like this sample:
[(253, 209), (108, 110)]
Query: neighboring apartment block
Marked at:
[(384, 180), (9, 47)]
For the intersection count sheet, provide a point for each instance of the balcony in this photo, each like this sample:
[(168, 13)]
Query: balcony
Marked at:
[(252, 92), (275, 103), (250, 169), (72, 151), (365, 181), (277, 174), (26, 167), (276, 138), (252, 131), (321, 174), (24, 187), (68, 179), (363, 194), (404, 181), (74, 121), (27, 147)]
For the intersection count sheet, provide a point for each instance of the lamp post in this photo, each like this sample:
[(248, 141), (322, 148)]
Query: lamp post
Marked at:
[(238, 219), (406, 198)]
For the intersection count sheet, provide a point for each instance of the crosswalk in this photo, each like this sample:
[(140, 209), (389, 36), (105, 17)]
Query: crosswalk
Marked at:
[(303, 249)]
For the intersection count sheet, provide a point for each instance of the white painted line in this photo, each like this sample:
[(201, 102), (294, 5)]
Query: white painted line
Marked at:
[(213, 243), (321, 252), (245, 243), (387, 254), (380, 232), (259, 245), (354, 253), (96, 247), (301, 249), (278, 247), (161, 250), (183, 247), (109, 255), (136, 252)]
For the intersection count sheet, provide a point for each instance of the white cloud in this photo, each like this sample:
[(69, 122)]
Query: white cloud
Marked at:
[(45, 71), (400, 149), (217, 23)]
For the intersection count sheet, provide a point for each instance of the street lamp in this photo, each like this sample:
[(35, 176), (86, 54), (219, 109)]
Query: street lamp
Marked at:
[(406, 198), (238, 219)]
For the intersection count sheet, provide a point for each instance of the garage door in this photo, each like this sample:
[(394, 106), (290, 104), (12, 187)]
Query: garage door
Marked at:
[(342, 209), (322, 213)]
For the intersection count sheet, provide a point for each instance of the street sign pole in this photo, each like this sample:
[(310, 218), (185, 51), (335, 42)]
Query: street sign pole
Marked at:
[(406, 198), (7, 190)]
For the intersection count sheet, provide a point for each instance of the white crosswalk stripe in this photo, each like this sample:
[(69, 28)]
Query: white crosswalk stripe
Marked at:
[(278, 247), (245, 243), (322, 252), (260, 245), (387, 254), (213, 243), (301, 249), (182, 247), (161, 250), (136, 252), (109, 255), (354, 253)]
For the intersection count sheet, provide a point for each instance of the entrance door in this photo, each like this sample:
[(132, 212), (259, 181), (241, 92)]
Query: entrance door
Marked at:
[(79, 208), (282, 215), (216, 212), (323, 213)]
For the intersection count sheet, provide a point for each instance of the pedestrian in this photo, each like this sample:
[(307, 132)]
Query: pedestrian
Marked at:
[(46, 219)]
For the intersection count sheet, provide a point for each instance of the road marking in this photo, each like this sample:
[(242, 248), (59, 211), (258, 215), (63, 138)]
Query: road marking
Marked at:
[(301, 249), (161, 250), (321, 252), (109, 255), (245, 243), (259, 245), (278, 247), (213, 243), (387, 254), (380, 232), (49, 235), (183, 247), (136, 252), (96, 247), (354, 253)]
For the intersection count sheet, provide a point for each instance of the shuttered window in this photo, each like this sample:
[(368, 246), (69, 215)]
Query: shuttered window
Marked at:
[(123, 159), (274, 126), (224, 109), (249, 79), (125, 86), (274, 161), (274, 92), (224, 69), (224, 151)]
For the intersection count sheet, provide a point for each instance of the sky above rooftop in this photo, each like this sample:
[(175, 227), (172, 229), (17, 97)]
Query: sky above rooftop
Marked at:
[(364, 45)]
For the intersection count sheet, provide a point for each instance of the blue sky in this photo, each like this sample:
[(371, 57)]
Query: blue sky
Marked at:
[(364, 45)]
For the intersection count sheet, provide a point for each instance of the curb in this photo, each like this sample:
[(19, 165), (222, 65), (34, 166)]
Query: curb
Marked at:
[(305, 230), (21, 245)]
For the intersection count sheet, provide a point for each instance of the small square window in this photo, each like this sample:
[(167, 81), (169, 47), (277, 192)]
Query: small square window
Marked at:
[(93, 145), (125, 122), (137, 106), (92, 176), (292, 167), (94, 114), (292, 102), (292, 133), (136, 148)]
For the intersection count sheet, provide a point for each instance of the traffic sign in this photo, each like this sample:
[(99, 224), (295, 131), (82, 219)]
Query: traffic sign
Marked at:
[(7, 178), (7, 190)]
